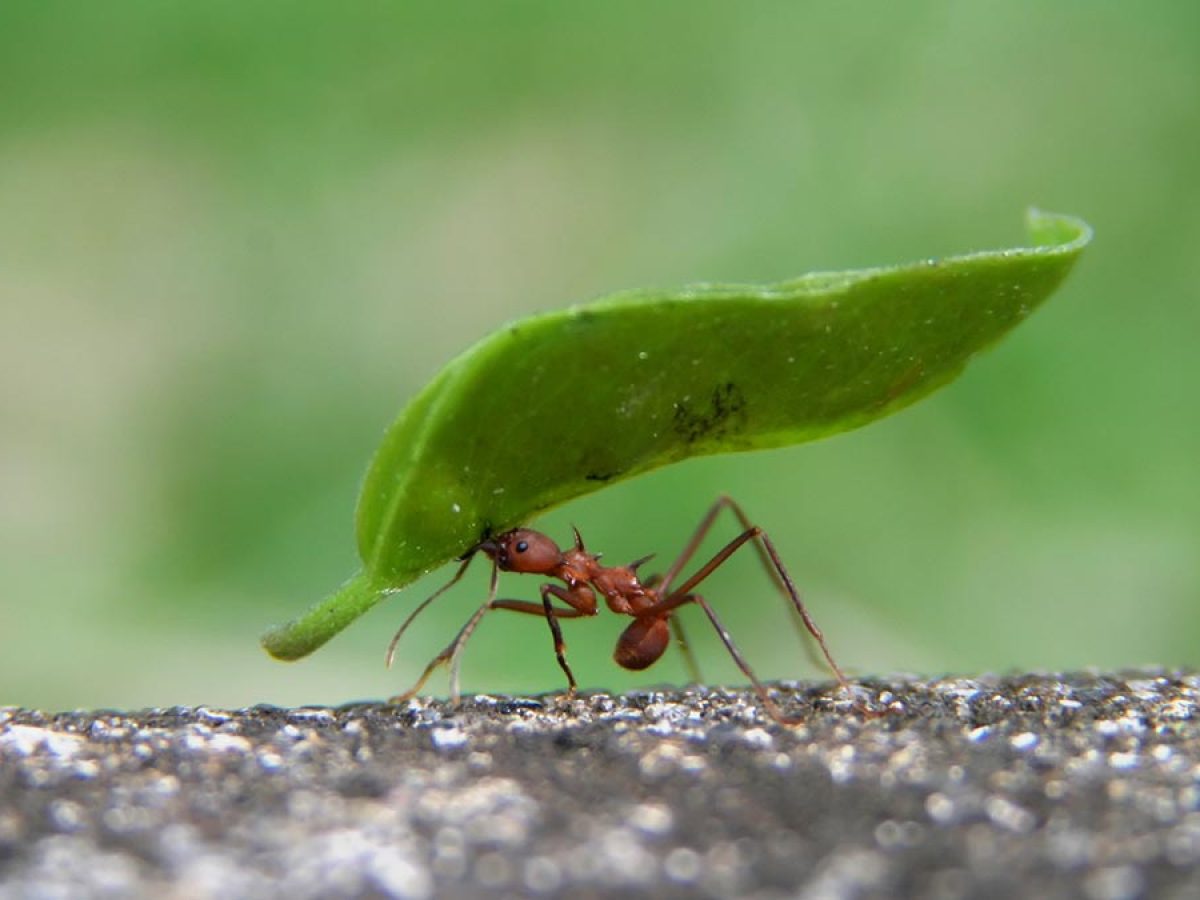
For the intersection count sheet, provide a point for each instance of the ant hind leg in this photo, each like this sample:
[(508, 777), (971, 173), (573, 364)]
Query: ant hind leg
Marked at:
[(764, 556), (760, 689), (754, 533)]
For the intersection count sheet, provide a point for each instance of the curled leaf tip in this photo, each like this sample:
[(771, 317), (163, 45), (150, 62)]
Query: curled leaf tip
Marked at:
[(303, 635)]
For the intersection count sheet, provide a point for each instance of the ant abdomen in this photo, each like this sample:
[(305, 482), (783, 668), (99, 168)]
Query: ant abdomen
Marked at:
[(642, 643)]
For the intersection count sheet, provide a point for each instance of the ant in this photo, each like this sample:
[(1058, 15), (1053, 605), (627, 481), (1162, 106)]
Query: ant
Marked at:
[(652, 603)]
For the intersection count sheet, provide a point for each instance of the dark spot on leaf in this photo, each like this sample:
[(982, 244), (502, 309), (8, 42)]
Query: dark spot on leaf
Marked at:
[(727, 403), (601, 476)]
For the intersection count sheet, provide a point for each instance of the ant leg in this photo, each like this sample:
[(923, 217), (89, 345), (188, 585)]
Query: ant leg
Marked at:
[(460, 641), (391, 650), (701, 532), (727, 502), (452, 651), (536, 609), (755, 533), (764, 696), (552, 614), (689, 658), (442, 658), (560, 646)]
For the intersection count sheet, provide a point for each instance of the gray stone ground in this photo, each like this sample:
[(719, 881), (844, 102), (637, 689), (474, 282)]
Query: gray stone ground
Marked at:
[(1083, 785)]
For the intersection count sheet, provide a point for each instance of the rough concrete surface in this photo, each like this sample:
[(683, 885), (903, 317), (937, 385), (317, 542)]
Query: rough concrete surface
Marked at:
[(1083, 785)]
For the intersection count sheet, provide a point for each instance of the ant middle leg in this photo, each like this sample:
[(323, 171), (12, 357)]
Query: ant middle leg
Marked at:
[(560, 646), (552, 614), (681, 641), (685, 647)]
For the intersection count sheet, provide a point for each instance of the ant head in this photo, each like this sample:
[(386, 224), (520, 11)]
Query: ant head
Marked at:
[(523, 550)]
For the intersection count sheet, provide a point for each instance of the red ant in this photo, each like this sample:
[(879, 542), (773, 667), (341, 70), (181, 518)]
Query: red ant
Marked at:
[(651, 603)]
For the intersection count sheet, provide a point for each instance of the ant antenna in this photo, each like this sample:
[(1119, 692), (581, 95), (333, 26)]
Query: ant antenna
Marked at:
[(466, 561)]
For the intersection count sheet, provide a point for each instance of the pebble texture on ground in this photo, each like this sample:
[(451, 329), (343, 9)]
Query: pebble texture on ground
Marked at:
[(1084, 785)]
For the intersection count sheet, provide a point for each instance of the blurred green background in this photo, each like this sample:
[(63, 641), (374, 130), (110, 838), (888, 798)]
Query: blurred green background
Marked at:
[(235, 238)]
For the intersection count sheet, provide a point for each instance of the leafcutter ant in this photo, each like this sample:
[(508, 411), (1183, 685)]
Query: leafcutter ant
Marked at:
[(651, 603)]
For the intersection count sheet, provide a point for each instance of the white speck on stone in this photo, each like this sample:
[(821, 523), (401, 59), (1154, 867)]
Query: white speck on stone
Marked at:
[(1006, 814), (1123, 761), (24, 740), (624, 859), (269, 760), (228, 743), (1114, 883), (449, 738), (1026, 740), (212, 716), (683, 864), (980, 734), (651, 818), (940, 808), (542, 875), (66, 815), (758, 738)]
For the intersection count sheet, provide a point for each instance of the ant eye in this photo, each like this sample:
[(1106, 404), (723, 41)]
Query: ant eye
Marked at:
[(522, 546)]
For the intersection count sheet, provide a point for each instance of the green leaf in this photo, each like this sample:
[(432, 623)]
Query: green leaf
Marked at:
[(558, 405)]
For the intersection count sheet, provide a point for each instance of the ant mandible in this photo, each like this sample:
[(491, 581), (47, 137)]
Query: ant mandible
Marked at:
[(651, 603)]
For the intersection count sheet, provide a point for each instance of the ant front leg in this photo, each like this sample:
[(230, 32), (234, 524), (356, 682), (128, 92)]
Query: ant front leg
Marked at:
[(450, 655), (453, 650)]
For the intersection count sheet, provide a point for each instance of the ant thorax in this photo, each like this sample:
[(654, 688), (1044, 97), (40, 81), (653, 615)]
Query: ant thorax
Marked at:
[(577, 566), (622, 590)]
